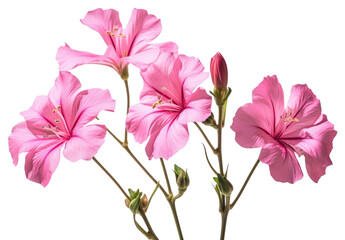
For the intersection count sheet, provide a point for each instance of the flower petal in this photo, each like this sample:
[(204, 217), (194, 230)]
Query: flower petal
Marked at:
[(69, 58), (198, 108), (102, 21), (141, 29), (316, 144), (142, 120), (252, 125), (305, 107), (284, 166), (23, 140), (41, 162), (270, 93), (169, 140), (85, 142), (162, 78), (191, 74), (89, 103)]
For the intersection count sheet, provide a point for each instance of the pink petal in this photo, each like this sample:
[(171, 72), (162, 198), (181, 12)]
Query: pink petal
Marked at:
[(252, 125), (191, 74), (198, 109), (143, 58), (69, 58), (141, 29), (305, 107), (143, 120), (102, 21), (270, 93), (316, 144), (89, 103), (23, 140), (41, 163), (85, 142), (162, 78), (284, 166), (63, 94), (169, 140)]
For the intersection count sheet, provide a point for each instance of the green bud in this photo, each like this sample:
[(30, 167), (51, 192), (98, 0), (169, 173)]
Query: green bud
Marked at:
[(224, 186), (135, 204), (182, 178), (210, 121)]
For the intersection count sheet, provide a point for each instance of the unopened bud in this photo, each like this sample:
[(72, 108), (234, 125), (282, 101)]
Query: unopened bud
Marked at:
[(219, 72), (225, 187), (182, 178), (144, 203), (210, 121), (135, 204)]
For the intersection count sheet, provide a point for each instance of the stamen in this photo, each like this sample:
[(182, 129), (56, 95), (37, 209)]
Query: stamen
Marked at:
[(108, 32), (57, 120), (115, 29), (287, 116)]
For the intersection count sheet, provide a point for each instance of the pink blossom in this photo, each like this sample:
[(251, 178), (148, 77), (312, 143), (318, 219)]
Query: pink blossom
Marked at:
[(124, 45), (59, 119), (219, 72), (281, 132), (167, 103)]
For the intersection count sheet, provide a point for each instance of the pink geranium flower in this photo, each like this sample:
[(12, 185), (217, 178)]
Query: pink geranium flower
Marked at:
[(281, 132), (124, 45), (167, 103), (59, 119)]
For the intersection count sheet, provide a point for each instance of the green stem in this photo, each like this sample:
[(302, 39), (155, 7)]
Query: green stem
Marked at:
[(111, 177), (125, 142), (172, 200), (150, 234), (244, 184), (219, 148), (206, 138), (166, 175), (177, 222)]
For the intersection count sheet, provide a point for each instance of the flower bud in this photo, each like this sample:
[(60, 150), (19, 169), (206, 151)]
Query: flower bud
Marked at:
[(182, 178), (135, 204), (219, 72), (210, 121), (144, 203), (225, 187), (135, 201)]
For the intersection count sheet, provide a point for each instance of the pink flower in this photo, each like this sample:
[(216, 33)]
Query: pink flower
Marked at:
[(59, 119), (299, 128), (219, 72), (167, 103), (124, 46)]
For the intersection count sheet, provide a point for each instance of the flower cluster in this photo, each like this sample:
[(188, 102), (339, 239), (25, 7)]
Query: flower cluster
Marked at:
[(170, 99)]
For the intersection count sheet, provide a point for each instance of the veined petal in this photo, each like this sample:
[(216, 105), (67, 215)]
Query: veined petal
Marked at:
[(143, 58), (169, 140), (315, 143), (305, 107), (23, 140), (89, 103), (198, 108), (85, 142), (270, 93), (284, 166), (40, 163), (102, 21), (163, 77), (191, 75), (69, 58), (141, 29), (142, 120), (252, 125)]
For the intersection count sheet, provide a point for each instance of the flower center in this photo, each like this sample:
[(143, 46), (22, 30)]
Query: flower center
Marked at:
[(160, 101), (287, 116), (56, 131), (116, 39), (114, 33)]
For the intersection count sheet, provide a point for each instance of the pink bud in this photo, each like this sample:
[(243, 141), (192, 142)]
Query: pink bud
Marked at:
[(219, 72)]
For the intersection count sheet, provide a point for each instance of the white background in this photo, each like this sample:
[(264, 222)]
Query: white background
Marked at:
[(299, 41)]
